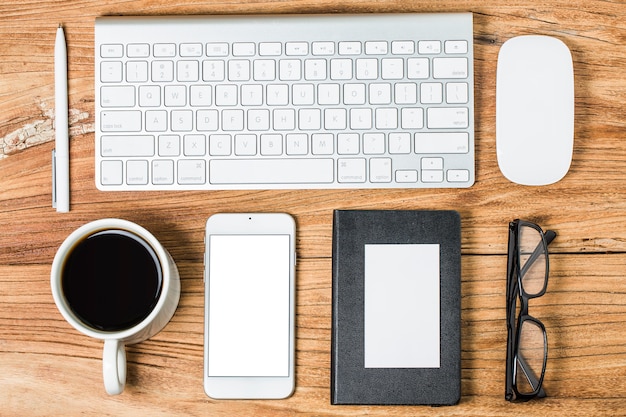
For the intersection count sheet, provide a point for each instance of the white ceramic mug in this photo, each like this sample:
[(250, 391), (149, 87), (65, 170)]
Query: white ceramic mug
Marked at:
[(114, 355)]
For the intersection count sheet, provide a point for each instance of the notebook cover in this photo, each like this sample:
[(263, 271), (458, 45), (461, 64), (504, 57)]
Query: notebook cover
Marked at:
[(351, 381)]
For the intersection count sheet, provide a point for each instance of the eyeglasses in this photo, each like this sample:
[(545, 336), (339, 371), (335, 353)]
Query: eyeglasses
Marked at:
[(527, 342)]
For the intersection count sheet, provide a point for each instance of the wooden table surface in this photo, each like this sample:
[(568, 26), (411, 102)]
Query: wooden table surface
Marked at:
[(48, 368)]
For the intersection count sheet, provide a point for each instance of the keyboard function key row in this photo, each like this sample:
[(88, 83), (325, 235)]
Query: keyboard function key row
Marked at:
[(320, 48)]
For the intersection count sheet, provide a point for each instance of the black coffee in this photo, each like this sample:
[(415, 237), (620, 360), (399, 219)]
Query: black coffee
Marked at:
[(112, 280)]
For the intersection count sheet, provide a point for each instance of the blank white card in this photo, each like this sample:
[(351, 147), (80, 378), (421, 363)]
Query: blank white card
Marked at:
[(402, 306)]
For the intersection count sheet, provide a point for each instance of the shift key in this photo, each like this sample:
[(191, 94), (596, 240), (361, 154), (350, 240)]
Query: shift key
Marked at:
[(120, 121), (127, 146)]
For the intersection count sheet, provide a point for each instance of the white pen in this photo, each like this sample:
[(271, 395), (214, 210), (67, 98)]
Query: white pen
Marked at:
[(61, 154)]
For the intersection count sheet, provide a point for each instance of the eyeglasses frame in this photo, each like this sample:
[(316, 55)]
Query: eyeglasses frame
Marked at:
[(515, 289)]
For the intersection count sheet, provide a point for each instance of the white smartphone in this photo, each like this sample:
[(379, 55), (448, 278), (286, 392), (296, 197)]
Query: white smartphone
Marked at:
[(249, 334)]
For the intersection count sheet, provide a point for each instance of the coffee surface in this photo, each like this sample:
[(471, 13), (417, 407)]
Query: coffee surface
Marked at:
[(112, 280)]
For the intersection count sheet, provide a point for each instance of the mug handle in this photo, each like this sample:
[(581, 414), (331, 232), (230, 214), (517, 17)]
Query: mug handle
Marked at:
[(114, 366)]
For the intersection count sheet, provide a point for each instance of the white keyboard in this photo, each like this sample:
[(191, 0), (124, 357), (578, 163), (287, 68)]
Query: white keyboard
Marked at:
[(299, 101)]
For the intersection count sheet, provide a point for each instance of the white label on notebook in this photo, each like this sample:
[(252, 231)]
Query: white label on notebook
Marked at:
[(402, 306)]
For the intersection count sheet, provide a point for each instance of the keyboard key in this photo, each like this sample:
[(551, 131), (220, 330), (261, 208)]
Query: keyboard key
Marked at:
[(405, 93), (207, 120), (373, 143), (429, 47), (187, 71), (457, 175), (399, 143), (194, 145), (164, 50), (455, 47), (284, 119), (137, 71), (219, 145), (137, 172), (392, 69), (112, 51), (432, 163), (457, 142), (457, 93), (149, 96), (200, 95), (412, 118), (351, 170), (402, 47), (265, 70), (162, 71), (431, 93), (380, 170), (245, 145), (366, 69), (447, 118), (138, 50), (386, 118), (271, 145), (140, 145), (450, 67), (175, 95), (341, 69), (239, 70), (406, 175), (182, 120), (191, 49), (290, 70), (270, 49), (376, 48), (323, 48), (111, 172), (120, 121), (297, 48), (380, 93), (432, 176), (315, 69), (217, 49), (156, 121), (348, 143), (111, 72), (271, 171), (349, 48), (169, 145), (191, 171), (418, 68), (213, 70), (322, 144), (117, 96), (226, 95), (163, 172), (244, 49), (232, 120), (297, 144)]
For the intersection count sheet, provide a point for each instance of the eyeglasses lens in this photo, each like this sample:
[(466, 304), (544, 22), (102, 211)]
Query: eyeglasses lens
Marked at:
[(530, 357), (532, 260)]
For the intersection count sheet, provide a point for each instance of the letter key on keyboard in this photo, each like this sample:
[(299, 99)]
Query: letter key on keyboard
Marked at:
[(271, 102)]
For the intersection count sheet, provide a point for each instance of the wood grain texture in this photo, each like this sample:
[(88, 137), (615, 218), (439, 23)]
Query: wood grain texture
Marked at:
[(48, 368)]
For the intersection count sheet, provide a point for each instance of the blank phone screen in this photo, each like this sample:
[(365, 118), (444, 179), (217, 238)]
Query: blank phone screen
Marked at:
[(248, 311)]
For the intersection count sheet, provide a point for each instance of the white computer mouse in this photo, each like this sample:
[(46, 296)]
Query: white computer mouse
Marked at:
[(534, 110)]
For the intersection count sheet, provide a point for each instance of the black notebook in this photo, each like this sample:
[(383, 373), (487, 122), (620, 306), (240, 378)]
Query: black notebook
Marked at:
[(396, 307)]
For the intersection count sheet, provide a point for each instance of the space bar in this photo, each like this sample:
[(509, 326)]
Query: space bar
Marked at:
[(271, 171)]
